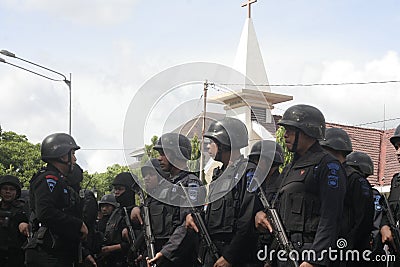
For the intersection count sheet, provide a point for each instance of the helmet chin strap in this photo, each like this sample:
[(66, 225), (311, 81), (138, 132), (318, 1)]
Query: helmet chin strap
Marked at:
[(68, 162), (296, 140)]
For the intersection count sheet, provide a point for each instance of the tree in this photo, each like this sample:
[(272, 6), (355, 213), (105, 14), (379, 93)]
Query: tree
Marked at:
[(101, 182), (280, 139), (18, 156), (149, 152)]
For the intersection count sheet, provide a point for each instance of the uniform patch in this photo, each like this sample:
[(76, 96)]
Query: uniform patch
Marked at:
[(193, 191), (377, 203), (251, 182), (333, 179), (51, 183)]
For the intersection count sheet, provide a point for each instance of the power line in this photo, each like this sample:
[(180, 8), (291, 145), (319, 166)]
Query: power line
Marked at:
[(373, 122), (311, 84)]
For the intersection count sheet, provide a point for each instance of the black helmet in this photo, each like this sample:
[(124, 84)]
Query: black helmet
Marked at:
[(126, 179), (337, 139), (306, 118), (361, 161), (396, 137), (153, 164), (230, 132), (57, 145), (109, 199), (264, 147), (173, 142), (11, 180)]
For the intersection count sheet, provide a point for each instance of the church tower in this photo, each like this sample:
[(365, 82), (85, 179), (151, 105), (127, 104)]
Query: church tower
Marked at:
[(253, 102)]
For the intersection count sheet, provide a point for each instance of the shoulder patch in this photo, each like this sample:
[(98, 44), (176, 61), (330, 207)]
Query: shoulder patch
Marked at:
[(251, 182), (51, 183), (333, 179)]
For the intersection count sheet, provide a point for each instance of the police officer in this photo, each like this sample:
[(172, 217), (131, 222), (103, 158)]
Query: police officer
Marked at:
[(107, 205), (229, 217), (175, 244), (13, 220), (358, 210), (362, 162), (269, 156), (313, 187), (56, 223), (116, 249), (394, 200)]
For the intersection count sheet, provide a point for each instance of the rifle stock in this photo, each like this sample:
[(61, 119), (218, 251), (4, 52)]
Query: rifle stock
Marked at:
[(278, 230), (393, 226), (147, 231), (132, 236)]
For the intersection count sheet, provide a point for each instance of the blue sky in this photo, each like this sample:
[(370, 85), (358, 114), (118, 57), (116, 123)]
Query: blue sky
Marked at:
[(112, 47)]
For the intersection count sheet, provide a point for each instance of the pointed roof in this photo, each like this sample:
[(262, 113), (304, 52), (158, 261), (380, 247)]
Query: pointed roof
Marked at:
[(249, 60)]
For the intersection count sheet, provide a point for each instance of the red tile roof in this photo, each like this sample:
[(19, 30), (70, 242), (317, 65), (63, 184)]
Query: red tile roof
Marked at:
[(376, 144)]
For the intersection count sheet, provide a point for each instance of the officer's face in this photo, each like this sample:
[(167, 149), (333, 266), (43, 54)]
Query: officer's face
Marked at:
[(212, 149), (164, 162), (151, 180), (397, 145), (106, 209), (8, 193), (119, 190), (290, 136)]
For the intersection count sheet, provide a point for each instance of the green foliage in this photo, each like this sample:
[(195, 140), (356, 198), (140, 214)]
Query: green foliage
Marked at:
[(149, 152), (280, 139), (194, 163), (101, 182), (18, 156)]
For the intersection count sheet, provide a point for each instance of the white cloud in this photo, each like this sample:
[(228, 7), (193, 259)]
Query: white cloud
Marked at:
[(86, 12), (352, 104)]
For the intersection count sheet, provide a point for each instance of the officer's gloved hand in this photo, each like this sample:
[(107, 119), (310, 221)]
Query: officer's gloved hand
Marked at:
[(135, 215), (222, 262), (158, 259), (84, 231), (90, 261), (261, 222), (387, 236), (24, 229), (189, 223)]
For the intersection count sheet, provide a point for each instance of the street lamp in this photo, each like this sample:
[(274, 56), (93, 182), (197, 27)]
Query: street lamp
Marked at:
[(68, 82)]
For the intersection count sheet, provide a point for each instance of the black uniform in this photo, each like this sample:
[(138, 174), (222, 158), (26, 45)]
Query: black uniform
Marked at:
[(358, 212), (176, 242), (56, 220), (311, 201), (11, 253), (230, 219), (265, 239), (394, 203), (113, 236)]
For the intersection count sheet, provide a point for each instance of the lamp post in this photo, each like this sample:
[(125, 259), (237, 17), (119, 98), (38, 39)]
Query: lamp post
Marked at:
[(65, 80)]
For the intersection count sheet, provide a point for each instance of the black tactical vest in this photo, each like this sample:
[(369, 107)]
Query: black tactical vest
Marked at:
[(394, 197), (222, 214), (299, 204)]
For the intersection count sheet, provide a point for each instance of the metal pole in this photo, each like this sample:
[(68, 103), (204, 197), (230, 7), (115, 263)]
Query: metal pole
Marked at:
[(70, 103), (201, 169)]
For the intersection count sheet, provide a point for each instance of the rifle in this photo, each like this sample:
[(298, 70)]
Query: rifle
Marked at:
[(278, 230), (132, 236), (202, 227), (147, 231), (393, 225)]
